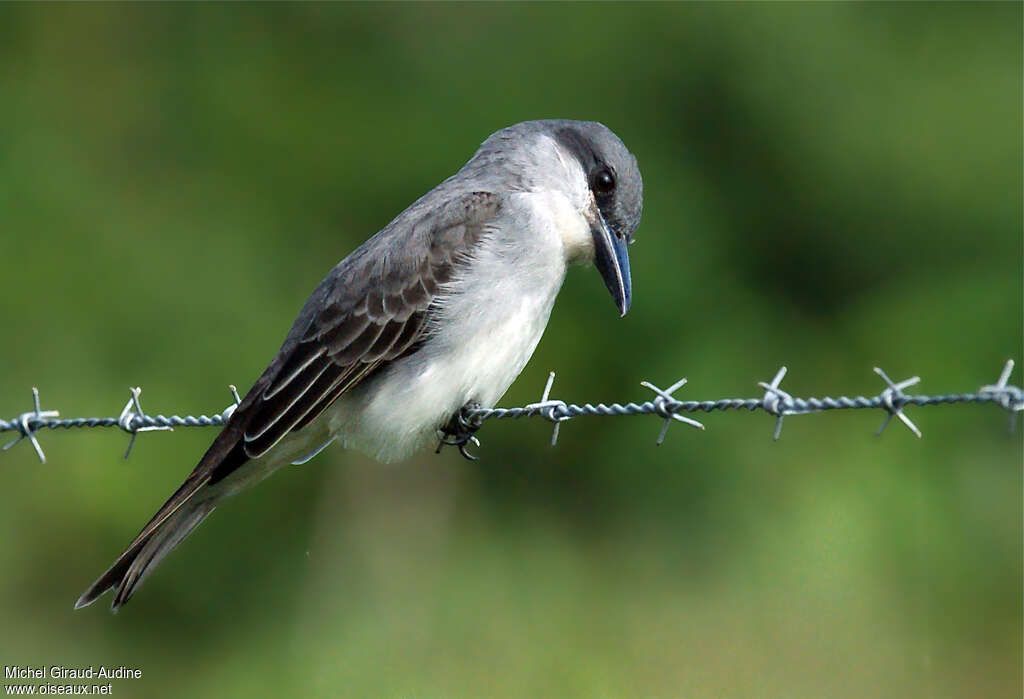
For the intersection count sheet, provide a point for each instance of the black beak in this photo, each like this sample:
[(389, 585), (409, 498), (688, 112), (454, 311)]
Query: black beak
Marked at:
[(612, 261)]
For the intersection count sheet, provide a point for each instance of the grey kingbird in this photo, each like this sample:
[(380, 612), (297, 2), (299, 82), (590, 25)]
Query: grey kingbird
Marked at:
[(435, 314)]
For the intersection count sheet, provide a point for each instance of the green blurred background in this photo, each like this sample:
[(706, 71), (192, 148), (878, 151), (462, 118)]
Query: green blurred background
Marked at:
[(828, 186)]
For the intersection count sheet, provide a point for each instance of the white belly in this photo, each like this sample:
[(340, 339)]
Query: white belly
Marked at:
[(488, 325)]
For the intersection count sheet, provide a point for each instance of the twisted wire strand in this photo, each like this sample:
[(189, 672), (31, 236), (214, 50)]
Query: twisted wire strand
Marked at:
[(775, 401), (137, 422), (794, 406)]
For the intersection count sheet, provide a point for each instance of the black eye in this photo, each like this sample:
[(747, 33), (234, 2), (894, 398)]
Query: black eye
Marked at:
[(603, 182)]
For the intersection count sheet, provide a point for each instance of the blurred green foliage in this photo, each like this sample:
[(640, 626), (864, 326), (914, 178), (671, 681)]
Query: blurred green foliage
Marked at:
[(828, 186)]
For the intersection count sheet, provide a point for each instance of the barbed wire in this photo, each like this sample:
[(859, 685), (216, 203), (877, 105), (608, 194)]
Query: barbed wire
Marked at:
[(775, 401)]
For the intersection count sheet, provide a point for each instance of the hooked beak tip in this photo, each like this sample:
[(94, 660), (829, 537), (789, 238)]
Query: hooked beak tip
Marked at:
[(612, 260), (624, 308)]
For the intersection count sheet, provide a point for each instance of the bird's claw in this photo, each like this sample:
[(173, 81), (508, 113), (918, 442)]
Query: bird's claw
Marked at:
[(460, 431)]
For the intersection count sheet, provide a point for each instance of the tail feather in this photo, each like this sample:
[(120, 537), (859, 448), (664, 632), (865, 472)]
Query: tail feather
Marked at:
[(184, 510), (143, 556), (224, 470)]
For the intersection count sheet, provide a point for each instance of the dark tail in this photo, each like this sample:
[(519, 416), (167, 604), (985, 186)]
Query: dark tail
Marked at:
[(184, 511), (145, 553)]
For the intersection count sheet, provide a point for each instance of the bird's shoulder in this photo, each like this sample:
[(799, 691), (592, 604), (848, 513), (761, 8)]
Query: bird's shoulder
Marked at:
[(400, 270)]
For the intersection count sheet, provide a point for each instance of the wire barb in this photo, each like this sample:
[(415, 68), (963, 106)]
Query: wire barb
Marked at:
[(230, 410), (661, 401), (550, 409), (26, 421), (776, 401), (133, 420), (894, 400), (1010, 397)]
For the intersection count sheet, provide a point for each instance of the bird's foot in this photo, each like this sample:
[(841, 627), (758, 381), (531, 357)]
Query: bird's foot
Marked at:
[(460, 430)]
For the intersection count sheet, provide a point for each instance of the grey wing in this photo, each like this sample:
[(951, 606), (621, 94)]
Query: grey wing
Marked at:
[(371, 310)]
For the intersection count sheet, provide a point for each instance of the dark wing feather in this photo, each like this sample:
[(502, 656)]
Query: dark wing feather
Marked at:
[(369, 311)]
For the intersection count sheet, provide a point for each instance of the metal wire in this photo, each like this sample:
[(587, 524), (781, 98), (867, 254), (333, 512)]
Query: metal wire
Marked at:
[(775, 401)]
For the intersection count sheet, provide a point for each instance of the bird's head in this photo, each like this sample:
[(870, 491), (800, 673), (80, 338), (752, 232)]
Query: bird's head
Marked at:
[(613, 201), (588, 182)]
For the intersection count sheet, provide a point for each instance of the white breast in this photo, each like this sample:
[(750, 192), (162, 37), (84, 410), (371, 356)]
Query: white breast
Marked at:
[(491, 318)]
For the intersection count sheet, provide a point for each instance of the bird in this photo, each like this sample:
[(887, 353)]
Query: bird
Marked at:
[(432, 317)]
